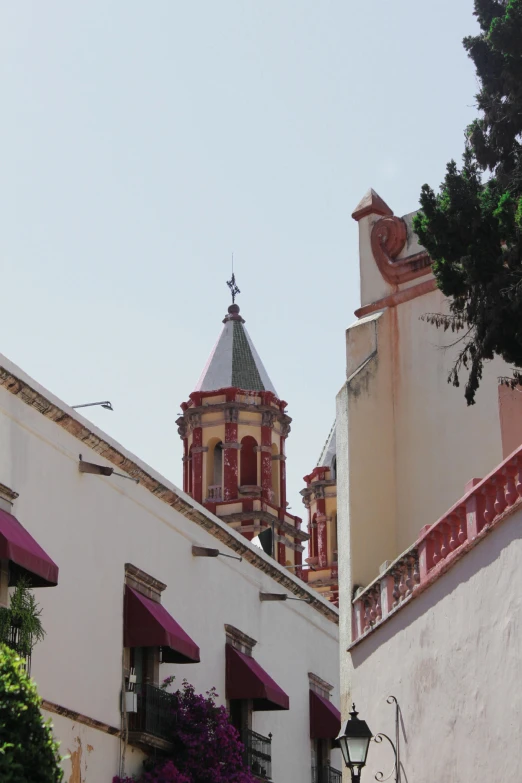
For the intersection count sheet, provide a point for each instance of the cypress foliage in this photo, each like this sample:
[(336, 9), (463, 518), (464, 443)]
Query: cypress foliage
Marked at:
[(472, 227)]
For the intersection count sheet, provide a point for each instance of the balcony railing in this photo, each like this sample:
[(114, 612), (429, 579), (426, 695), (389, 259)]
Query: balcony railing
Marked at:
[(14, 641), (440, 545), (215, 493), (155, 712), (258, 754), (326, 774)]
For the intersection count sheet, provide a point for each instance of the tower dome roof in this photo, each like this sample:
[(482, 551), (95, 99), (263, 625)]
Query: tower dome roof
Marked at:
[(234, 361)]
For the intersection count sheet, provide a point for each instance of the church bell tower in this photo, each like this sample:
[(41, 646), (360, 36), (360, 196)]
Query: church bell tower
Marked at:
[(234, 429)]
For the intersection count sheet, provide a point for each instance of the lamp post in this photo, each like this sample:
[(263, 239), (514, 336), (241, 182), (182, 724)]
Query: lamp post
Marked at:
[(354, 740)]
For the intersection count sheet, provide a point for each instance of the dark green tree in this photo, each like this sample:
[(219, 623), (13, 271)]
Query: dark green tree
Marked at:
[(28, 752), (472, 227)]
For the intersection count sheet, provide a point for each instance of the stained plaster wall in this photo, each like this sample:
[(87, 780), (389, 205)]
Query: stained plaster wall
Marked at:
[(91, 526), (413, 441), (406, 441), (452, 657)]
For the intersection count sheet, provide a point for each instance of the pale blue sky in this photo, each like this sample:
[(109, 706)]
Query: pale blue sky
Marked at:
[(142, 142)]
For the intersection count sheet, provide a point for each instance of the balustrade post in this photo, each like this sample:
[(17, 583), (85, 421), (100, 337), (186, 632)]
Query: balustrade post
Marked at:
[(500, 503), (474, 511), (424, 557), (386, 594), (359, 618), (518, 482), (511, 491), (489, 492)]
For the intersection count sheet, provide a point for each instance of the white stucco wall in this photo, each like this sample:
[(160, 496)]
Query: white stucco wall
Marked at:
[(453, 659), (91, 526)]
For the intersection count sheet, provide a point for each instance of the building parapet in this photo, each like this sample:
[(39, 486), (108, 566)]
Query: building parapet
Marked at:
[(486, 504)]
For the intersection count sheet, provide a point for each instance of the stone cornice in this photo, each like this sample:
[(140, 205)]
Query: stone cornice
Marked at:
[(79, 428), (238, 638), (7, 493), (217, 407), (265, 516), (318, 681), (145, 583)]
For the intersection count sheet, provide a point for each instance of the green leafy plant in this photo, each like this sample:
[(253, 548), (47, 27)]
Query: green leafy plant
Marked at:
[(472, 228), (28, 751), (20, 623)]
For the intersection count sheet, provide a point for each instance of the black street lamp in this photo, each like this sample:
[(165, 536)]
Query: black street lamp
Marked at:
[(354, 740)]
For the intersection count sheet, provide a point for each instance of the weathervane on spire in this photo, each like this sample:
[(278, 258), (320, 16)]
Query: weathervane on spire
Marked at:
[(234, 290)]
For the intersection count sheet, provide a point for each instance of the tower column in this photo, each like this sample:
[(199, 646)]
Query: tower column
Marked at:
[(185, 465), (298, 556), (197, 464), (230, 456), (266, 455), (322, 550), (282, 473), (281, 547)]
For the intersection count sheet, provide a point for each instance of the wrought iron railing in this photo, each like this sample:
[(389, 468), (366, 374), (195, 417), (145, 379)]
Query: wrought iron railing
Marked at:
[(155, 713), (258, 754), (215, 493), (326, 774), (23, 648)]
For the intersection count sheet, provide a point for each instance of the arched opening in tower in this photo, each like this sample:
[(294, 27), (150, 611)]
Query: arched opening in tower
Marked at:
[(214, 470), (248, 461), (276, 495), (218, 464)]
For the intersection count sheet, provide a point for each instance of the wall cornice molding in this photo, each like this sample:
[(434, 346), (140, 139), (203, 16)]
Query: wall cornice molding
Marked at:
[(113, 453)]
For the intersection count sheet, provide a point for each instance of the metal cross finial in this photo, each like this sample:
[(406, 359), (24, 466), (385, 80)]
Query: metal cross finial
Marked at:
[(234, 290)]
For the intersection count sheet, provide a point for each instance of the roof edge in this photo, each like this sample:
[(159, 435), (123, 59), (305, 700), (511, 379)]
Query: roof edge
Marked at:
[(14, 380)]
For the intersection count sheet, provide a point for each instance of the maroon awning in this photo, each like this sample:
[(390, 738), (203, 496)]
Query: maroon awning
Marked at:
[(246, 679), (25, 556), (148, 624), (325, 718)]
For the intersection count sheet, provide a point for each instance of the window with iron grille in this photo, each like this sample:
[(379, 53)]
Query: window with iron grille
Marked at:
[(258, 754), (326, 774)]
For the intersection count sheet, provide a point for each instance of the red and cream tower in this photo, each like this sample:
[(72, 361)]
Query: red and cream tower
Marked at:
[(320, 499), (234, 429)]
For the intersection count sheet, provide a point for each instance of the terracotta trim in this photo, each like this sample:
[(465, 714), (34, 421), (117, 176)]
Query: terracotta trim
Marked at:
[(388, 239), (371, 204), (397, 298), (79, 429), (437, 572), (77, 717)]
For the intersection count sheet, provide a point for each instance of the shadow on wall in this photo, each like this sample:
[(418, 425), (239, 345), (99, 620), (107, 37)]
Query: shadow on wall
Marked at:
[(474, 561)]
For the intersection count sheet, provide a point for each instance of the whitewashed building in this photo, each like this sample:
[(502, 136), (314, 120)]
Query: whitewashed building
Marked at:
[(128, 577)]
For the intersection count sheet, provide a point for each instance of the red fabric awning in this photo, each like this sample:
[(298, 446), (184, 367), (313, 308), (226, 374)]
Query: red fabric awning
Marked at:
[(325, 718), (148, 624), (246, 679), (25, 556)]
